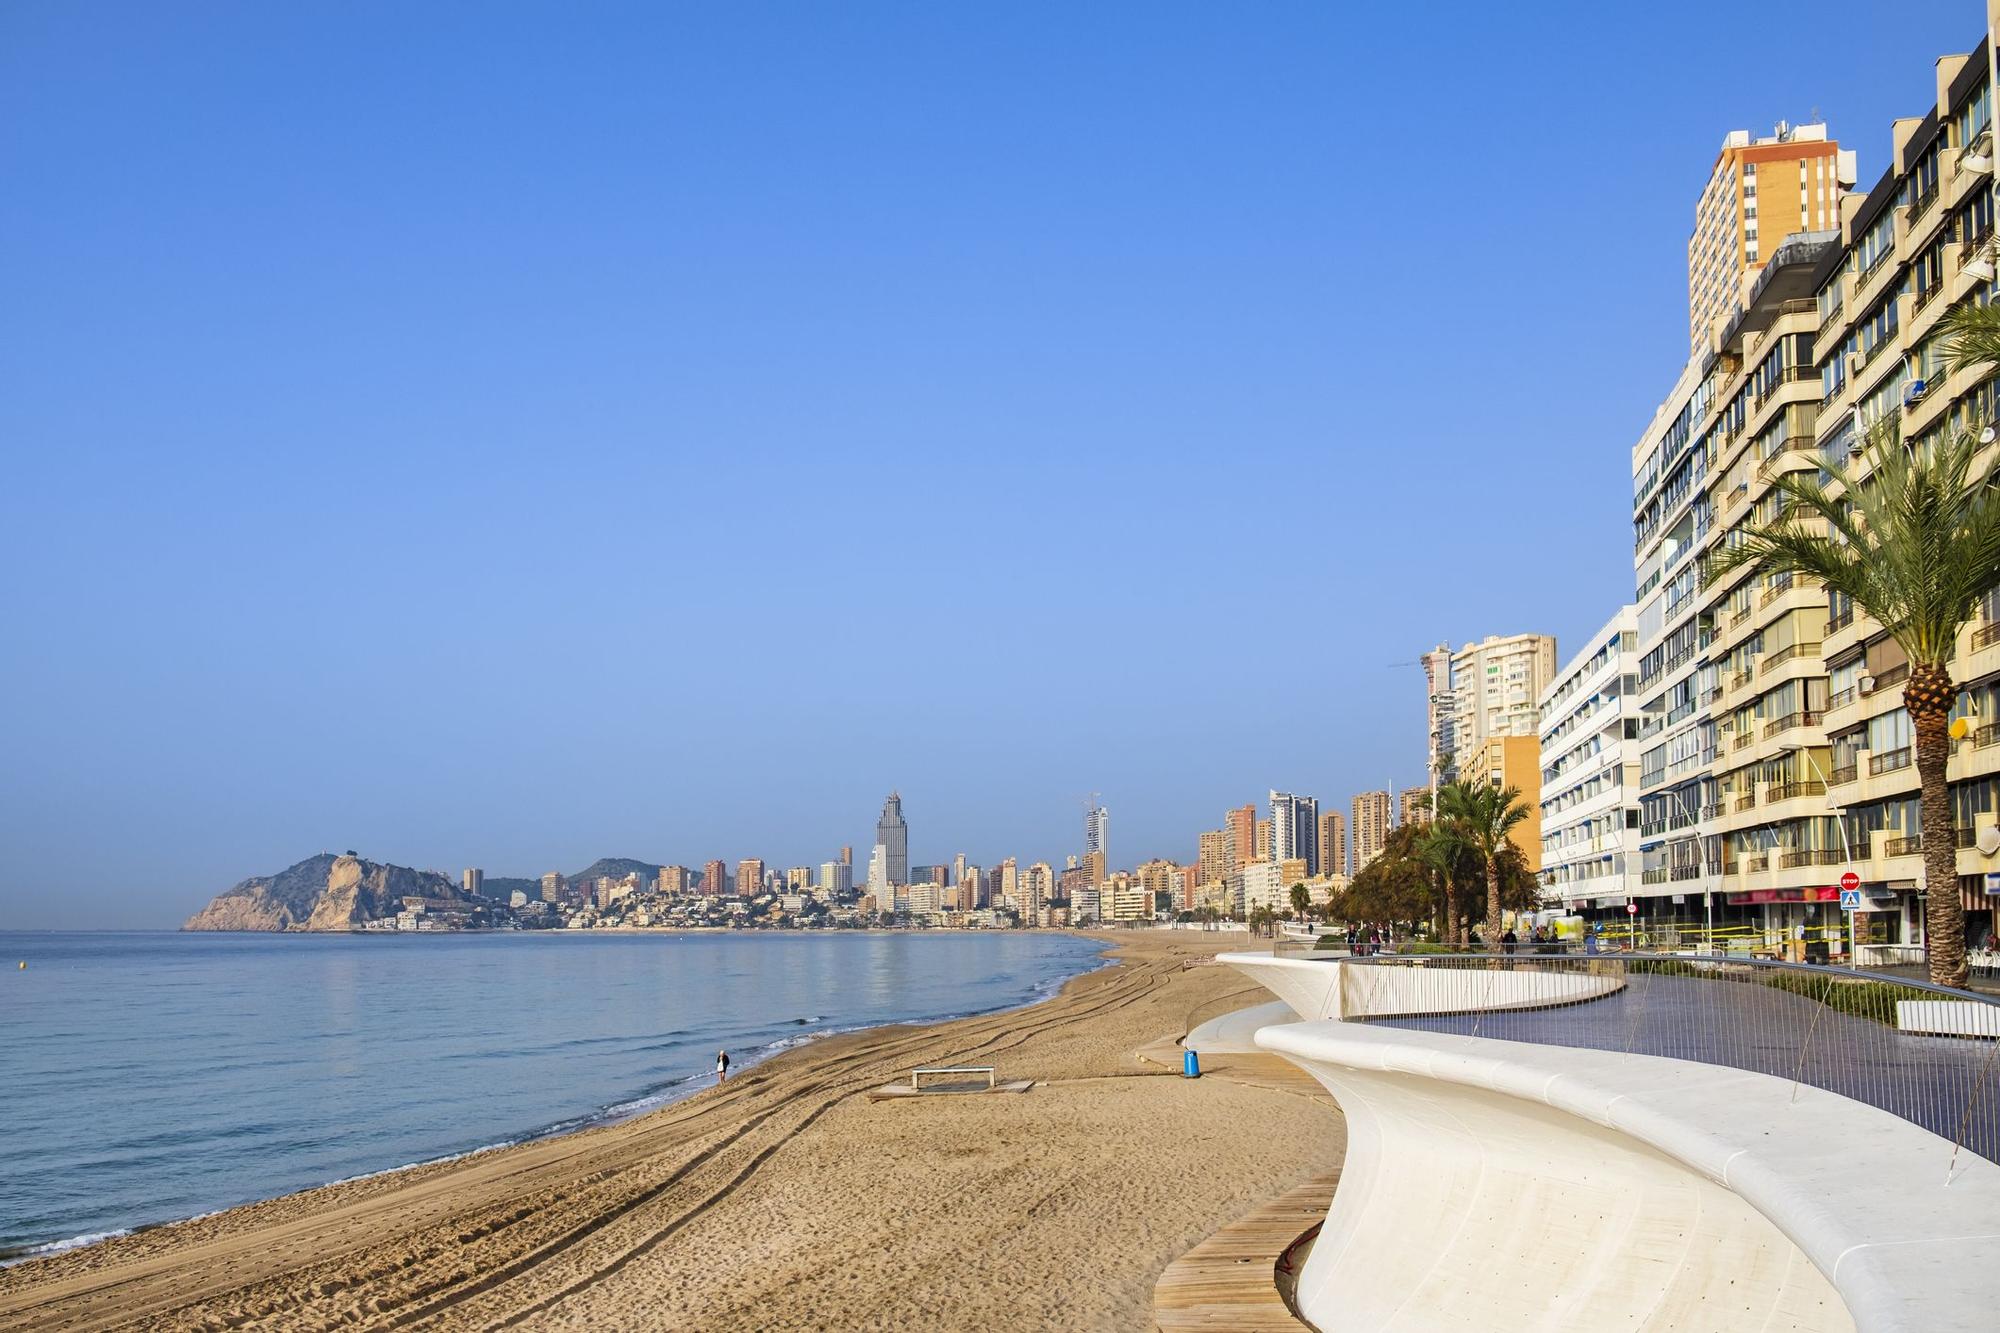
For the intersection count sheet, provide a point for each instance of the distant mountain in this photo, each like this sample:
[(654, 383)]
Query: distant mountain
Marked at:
[(505, 886), (324, 892), (618, 867)]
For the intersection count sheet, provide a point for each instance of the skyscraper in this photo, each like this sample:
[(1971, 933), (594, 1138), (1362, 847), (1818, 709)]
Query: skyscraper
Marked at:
[(474, 881), (958, 868), (1295, 829), (1758, 193), (1496, 687), (1333, 843), (1371, 826), (1413, 806), (714, 880), (552, 886), (1096, 829), (893, 836), (1439, 709), (749, 877), (878, 879), (1212, 859), (1263, 840), (673, 881), (1241, 826)]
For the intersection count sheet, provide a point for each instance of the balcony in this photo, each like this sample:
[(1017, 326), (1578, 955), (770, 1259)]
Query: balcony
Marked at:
[(1841, 698), (1963, 838), (1789, 791), (1774, 660), (1875, 268), (1895, 675), (1804, 717), (1909, 846), (1986, 636), (1837, 623), (1744, 741), (1685, 872), (1986, 735), (1888, 761), (1774, 592), (1844, 773), (1657, 875), (1740, 616), (1925, 296), (1792, 860), (1830, 856), (1739, 680), (1919, 206), (1753, 862)]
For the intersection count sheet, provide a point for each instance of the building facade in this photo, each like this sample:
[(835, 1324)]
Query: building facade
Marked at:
[(1295, 829), (1494, 686), (1332, 843), (1759, 192), (1590, 769), (892, 835), (1241, 826), (1371, 826)]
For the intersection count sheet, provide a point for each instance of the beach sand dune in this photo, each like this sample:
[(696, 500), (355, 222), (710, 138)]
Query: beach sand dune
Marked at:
[(785, 1199)]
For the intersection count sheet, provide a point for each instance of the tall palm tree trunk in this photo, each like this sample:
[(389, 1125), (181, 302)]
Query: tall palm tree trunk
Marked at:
[(1928, 696), (1493, 904), (1450, 932)]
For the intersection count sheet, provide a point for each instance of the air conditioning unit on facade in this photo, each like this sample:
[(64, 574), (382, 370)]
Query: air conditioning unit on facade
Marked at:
[(1854, 363), (1866, 684)]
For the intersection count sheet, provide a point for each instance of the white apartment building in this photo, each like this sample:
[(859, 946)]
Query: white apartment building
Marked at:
[(1590, 769)]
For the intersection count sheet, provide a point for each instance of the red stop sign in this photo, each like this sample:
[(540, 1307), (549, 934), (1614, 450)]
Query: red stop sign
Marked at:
[(1850, 880)]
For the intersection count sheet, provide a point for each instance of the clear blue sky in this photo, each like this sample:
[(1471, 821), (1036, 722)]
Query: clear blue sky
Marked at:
[(512, 434)]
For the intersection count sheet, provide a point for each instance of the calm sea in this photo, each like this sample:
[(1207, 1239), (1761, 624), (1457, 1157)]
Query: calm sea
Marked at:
[(149, 1077)]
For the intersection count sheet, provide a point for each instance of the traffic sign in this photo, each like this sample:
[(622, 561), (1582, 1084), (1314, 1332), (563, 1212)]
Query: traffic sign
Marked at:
[(1631, 909), (1850, 900), (1849, 882)]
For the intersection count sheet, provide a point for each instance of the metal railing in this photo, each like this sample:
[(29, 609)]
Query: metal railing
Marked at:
[(1889, 760), (1928, 1054)]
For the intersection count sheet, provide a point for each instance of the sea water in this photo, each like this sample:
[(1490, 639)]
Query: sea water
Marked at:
[(151, 1077)]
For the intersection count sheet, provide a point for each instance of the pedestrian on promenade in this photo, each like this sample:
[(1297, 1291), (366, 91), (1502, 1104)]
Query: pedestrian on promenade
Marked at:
[(721, 1065)]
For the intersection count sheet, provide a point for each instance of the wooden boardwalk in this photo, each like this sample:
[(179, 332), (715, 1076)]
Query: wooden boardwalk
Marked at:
[(1230, 1280)]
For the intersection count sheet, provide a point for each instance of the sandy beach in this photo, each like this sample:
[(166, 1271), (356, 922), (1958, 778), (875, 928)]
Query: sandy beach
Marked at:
[(785, 1199)]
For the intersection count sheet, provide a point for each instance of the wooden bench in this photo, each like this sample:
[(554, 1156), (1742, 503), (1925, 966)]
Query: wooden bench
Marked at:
[(955, 1069)]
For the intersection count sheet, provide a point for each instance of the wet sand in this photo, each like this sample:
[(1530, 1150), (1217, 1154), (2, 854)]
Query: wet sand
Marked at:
[(784, 1199)]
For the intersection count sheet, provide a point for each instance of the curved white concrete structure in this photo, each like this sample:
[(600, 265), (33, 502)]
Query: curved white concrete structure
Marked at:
[(1501, 1185), (1330, 988)]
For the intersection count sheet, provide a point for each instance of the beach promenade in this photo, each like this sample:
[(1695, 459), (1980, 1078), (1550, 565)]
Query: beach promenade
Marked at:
[(785, 1199)]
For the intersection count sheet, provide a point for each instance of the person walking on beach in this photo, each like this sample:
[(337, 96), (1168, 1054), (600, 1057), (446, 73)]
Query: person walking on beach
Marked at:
[(721, 1065)]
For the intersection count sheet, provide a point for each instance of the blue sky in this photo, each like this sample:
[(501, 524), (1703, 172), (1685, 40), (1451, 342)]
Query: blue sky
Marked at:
[(511, 434)]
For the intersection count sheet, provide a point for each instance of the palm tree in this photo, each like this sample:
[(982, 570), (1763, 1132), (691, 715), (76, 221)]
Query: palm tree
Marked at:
[(1913, 539), (1443, 847), (1302, 901), (1485, 815)]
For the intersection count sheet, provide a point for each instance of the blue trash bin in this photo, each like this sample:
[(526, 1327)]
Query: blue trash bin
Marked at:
[(1190, 1064)]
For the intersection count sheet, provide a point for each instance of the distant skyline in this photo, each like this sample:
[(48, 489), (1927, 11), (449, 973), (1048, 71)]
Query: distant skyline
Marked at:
[(507, 435)]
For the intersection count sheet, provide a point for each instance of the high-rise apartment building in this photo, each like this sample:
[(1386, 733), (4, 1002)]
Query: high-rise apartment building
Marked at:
[(672, 881), (893, 836), (958, 868), (1096, 830), (749, 877), (1158, 877), (1439, 707), (552, 887), (473, 881), (1759, 192), (1494, 686), (714, 880), (1212, 858), (1263, 840), (1295, 829), (1590, 768), (1332, 843), (1241, 826), (1371, 826), (1413, 805), (879, 884), (1038, 889), (1005, 886), (1773, 747), (1094, 867)]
